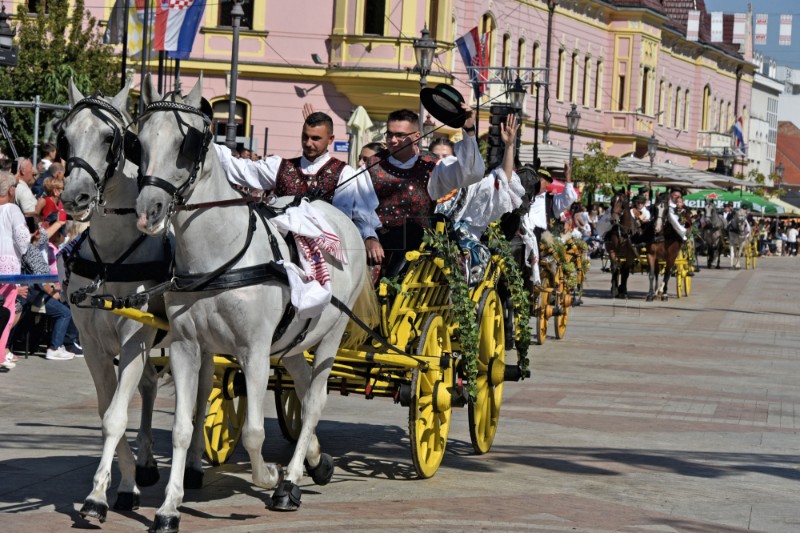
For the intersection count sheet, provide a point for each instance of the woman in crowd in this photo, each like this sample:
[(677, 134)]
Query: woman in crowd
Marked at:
[(14, 240)]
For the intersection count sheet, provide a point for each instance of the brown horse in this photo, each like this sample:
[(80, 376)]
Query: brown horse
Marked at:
[(619, 245), (663, 247)]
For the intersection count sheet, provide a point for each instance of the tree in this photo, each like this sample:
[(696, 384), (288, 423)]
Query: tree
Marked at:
[(54, 47), (598, 171)]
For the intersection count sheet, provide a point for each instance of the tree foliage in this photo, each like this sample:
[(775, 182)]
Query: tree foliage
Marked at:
[(64, 43), (598, 171), (760, 187)]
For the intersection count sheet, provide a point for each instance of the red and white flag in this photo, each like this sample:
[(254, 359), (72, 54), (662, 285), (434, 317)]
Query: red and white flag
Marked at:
[(739, 27), (693, 26), (177, 22), (761, 28), (785, 37)]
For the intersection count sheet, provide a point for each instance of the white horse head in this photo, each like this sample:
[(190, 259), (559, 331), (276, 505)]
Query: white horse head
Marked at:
[(172, 148), (91, 141)]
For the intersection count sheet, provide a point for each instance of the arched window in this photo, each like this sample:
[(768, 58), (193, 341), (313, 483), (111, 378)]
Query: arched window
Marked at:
[(219, 123), (487, 28), (433, 19), (704, 115), (573, 79), (677, 118), (535, 63), (562, 57), (598, 85), (686, 110), (506, 50), (661, 97), (670, 110), (587, 75), (521, 53)]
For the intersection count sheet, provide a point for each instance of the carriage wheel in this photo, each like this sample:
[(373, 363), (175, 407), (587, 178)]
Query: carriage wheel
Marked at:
[(224, 418), (431, 406), (560, 321), (687, 285), (289, 411), (680, 280), (541, 313), (484, 411)]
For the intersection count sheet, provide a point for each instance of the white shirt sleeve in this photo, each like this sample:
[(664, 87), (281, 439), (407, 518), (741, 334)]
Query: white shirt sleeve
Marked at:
[(247, 173), (563, 200), (357, 199), (676, 224), (454, 172)]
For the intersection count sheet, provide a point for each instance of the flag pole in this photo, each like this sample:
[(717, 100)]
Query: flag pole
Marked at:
[(125, 14), (161, 54), (145, 49)]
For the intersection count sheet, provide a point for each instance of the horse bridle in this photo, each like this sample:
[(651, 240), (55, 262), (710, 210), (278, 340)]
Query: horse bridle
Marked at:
[(115, 152), (195, 144)]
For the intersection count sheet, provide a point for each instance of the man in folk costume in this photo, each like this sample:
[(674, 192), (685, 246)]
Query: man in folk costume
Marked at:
[(544, 208), (315, 175), (409, 181)]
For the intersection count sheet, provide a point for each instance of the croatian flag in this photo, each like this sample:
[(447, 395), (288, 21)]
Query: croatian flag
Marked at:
[(473, 49), (176, 26), (738, 132)]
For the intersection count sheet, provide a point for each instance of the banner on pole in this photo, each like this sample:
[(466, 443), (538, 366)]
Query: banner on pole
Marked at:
[(693, 26), (761, 28), (474, 53), (177, 22), (716, 27), (739, 27), (785, 37)]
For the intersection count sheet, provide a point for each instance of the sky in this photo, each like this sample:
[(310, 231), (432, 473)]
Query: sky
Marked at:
[(784, 55)]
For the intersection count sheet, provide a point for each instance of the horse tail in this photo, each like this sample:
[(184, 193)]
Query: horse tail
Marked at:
[(365, 308)]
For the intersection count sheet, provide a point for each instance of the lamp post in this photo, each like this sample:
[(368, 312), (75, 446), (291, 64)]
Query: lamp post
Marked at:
[(573, 118), (8, 52), (727, 160), (551, 10), (236, 20), (538, 85), (516, 97), (778, 180), (652, 148), (424, 50)]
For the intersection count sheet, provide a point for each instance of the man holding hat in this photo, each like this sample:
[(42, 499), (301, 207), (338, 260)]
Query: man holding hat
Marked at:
[(408, 182)]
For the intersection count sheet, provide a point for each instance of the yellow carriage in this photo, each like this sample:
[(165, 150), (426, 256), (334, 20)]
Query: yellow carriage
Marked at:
[(562, 269), (414, 356)]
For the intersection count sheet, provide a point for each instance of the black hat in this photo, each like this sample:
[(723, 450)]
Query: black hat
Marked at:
[(639, 199), (444, 103)]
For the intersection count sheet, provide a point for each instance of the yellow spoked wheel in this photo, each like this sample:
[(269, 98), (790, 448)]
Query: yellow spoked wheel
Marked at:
[(227, 407), (680, 281), (289, 412), (687, 285), (560, 321), (542, 311), (484, 412), (431, 406)]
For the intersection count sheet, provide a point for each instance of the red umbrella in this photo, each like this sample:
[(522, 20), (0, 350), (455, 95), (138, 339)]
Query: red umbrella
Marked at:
[(557, 187)]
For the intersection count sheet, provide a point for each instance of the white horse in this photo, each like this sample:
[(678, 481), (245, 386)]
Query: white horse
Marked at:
[(178, 167), (101, 186), (738, 236)]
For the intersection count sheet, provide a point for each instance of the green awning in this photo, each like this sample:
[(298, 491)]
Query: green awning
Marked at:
[(697, 200)]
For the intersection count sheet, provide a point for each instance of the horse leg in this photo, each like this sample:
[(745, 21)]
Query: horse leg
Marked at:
[(663, 288), (114, 397), (146, 467), (320, 466), (185, 363), (193, 475), (652, 278), (255, 365), (614, 279), (623, 282)]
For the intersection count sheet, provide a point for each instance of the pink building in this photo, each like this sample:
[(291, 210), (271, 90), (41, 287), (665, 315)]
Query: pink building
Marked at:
[(627, 64)]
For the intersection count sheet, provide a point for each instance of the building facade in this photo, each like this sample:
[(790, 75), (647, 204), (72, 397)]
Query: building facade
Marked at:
[(625, 64), (763, 132)]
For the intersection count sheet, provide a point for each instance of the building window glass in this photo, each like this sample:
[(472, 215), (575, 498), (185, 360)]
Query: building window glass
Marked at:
[(521, 53), (706, 108), (587, 74), (374, 17), (224, 16), (643, 104), (661, 96), (686, 111), (598, 86), (621, 93), (433, 19), (560, 75), (573, 79), (506, 50), (487, 28), (220, 119), (677, 116)]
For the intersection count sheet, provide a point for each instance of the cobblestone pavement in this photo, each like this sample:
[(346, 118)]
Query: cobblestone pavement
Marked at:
[(657, 417)]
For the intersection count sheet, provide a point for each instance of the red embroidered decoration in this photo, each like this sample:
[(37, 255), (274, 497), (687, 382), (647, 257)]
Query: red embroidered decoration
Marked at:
[(403, 193), (291, 181)]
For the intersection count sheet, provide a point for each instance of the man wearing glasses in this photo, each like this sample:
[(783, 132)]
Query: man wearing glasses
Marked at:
[(409, 182)]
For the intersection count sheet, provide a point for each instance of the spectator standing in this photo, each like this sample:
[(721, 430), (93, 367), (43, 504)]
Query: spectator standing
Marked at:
[(24, 196), (791, 239), (49, 156), (14, 239)]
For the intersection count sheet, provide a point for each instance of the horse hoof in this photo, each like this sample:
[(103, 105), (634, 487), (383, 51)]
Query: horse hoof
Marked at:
[(323, 472), (147, 476), (286, 497), (126, 501), (93, 509), (650, 298), (165, 524), (664, 298), (192, 479)]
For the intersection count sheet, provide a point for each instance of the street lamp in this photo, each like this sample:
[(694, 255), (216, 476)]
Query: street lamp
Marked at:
[(778, 176), (424, 50), (236, 20), (727, 160), (573, 118), (8, 52), (652, 148), (516, 95)]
